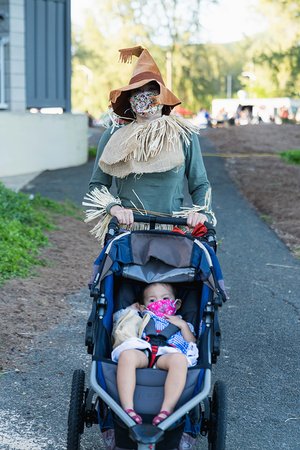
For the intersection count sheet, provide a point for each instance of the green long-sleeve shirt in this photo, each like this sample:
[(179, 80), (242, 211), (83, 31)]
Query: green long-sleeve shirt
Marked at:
[(162, 192)]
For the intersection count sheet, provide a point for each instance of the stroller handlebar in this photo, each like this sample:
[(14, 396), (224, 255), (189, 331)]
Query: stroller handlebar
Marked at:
[(147, 218), (113, 226)]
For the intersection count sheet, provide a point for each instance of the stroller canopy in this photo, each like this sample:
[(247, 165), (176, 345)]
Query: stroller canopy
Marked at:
[(159, 256)]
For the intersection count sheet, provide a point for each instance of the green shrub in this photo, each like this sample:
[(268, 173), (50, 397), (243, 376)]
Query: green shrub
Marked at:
[(23, 222), (291, 156), (92, 152)]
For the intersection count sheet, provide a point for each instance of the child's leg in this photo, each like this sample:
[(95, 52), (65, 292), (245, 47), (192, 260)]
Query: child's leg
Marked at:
[(176, 364), (129, 361)]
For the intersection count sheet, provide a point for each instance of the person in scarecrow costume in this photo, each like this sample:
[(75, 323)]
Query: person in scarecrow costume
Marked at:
[(149, 157)]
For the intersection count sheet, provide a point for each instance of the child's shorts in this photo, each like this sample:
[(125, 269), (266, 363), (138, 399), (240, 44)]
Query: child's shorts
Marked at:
[(141, 344)]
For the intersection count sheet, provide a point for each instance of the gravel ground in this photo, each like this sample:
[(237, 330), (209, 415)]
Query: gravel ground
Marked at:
[(35, 396), (269, 183), (260, 325)]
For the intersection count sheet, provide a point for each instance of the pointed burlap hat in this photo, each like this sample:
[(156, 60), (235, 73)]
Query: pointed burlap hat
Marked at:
[(145, 71)]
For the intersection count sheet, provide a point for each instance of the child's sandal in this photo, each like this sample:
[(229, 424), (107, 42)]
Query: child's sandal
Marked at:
[(134, 416), (161, 416)]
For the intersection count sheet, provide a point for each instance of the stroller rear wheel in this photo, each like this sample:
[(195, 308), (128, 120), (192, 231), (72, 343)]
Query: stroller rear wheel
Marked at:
[(218, 418), (76, 411)]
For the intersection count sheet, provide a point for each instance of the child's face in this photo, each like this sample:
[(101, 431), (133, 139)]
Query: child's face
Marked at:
[(158, 291)]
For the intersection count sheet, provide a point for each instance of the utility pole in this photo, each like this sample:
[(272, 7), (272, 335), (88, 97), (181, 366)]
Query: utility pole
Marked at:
[(229, 86), (169, 69)]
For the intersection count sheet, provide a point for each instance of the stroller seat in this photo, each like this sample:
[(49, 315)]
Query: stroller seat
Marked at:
[(150, 383), (149, 389)]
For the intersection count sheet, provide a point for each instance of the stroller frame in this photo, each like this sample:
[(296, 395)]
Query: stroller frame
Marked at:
[(146, 435)]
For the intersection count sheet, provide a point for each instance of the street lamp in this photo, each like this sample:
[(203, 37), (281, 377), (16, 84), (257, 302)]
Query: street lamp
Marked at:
[(229, 86), (89, 77), (88, 72), (169, 69)]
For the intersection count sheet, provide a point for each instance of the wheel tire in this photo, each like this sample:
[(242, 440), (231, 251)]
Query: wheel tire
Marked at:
[(76, 411), (218, 418)]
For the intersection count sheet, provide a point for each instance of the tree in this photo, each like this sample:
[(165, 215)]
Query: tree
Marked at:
[(199, 71), (275, 55)]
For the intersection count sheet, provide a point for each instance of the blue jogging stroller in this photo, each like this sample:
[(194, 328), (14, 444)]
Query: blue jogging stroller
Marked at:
[(129, 260)]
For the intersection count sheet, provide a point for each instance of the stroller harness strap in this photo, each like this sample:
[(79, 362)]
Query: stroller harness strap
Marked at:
[(158, 338)]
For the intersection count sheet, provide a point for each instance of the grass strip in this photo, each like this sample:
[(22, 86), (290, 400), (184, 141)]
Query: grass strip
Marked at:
[(24, 221), (92, 152), (291, 156)]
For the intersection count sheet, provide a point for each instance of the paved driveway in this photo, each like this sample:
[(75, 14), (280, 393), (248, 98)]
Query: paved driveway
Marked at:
[(260, 325)]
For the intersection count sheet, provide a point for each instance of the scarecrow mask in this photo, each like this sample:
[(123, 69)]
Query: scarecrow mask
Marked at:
[(144, 103)]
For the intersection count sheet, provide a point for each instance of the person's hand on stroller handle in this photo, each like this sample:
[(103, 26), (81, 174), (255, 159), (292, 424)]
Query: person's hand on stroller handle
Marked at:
[(194, 218), (124, 215)]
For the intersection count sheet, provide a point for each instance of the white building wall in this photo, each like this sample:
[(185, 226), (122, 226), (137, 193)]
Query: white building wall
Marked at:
[(36, 142)]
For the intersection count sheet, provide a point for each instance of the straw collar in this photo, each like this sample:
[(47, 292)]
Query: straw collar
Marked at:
[(155, 146)]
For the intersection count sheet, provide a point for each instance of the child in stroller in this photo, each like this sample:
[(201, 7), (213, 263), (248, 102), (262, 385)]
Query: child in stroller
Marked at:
[(171, 348), (128, 262)]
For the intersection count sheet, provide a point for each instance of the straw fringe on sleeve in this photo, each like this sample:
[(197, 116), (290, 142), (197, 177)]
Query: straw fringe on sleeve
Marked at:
[(204, 209), (98, 200)]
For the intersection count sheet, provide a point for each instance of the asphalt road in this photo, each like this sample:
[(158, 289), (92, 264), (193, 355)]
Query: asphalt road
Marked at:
[(260, 326)]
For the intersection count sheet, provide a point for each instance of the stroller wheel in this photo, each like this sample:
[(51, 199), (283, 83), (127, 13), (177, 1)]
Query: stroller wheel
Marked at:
[(76, 411), (218, 418)]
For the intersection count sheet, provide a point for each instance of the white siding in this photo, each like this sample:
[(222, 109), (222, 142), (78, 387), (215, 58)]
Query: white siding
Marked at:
[(4, 32), (17, 24), (18, 81), (15, 9), (17, 55), (18, 96)]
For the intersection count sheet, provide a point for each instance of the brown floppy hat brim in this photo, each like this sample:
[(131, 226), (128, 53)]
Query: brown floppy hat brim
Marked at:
[(119, 98)]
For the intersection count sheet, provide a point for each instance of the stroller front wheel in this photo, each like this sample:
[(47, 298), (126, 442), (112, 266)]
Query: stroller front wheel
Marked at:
[(218, 418), (76, 411)]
